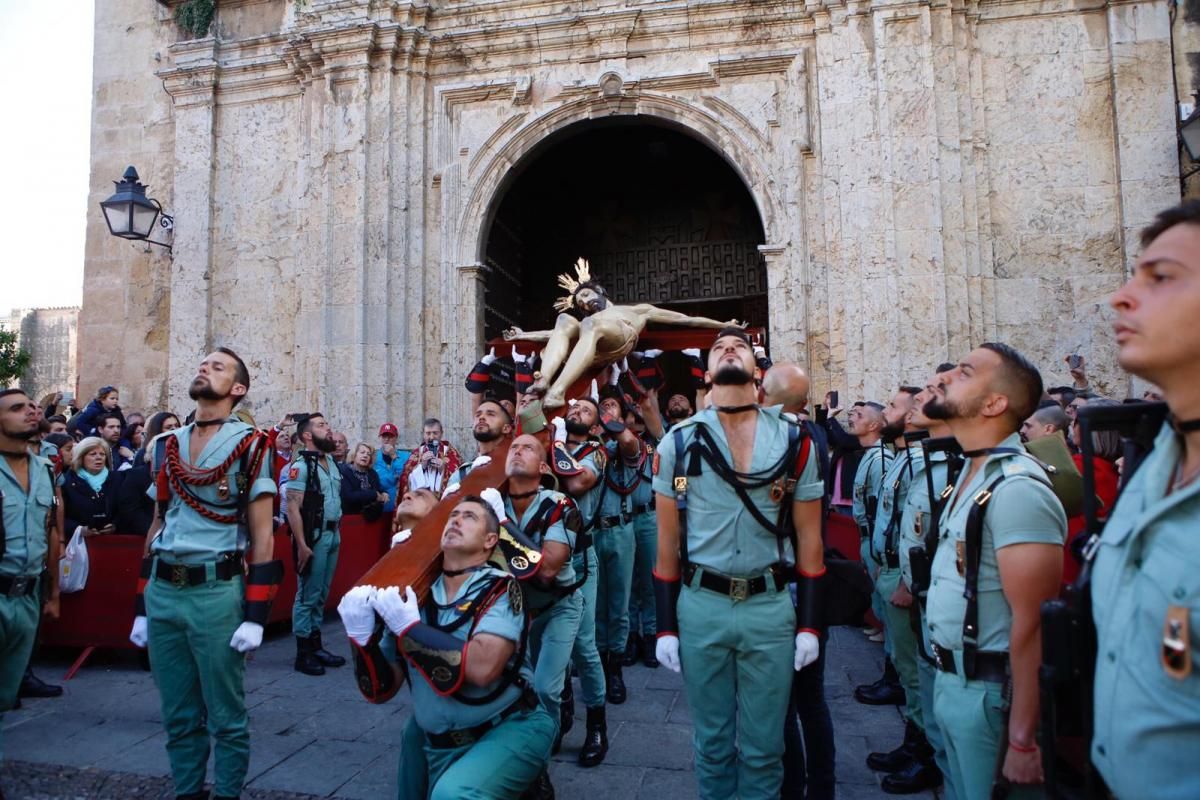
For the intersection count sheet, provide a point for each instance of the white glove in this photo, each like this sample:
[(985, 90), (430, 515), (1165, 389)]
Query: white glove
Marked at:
[(808, 647), (652, 354), (517, 357), (489, 358), (247, 637), (496, 501), (480, 461), (399, 612), (614, 374), (358, 617), (694, 352), (139, 634), (560, 429), (451, 489), (594, 391), (401, 537), (759, 351), (666, 650)]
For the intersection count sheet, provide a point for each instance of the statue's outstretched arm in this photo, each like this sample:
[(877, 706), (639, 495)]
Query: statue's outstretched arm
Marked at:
[(517, 335), (656, 314)]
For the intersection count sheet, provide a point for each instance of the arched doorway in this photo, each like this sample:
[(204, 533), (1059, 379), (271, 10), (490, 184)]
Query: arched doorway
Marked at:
[(661, 217)]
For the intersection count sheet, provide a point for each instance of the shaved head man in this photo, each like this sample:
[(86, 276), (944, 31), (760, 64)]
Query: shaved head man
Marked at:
[(786, 384)]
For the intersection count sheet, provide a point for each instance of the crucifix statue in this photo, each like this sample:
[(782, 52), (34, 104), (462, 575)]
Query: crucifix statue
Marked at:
[(606, 334)]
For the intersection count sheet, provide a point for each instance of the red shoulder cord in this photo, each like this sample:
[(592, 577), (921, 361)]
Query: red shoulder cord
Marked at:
[(176, 474)]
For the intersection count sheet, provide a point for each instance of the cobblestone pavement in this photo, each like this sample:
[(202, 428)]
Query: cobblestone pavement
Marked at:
[(317, 737)]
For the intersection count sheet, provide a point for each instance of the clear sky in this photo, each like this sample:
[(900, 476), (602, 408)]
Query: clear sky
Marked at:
[(46, 102)]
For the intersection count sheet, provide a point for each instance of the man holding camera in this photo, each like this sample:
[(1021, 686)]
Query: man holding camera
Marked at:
[(432, 464), (314, 509)]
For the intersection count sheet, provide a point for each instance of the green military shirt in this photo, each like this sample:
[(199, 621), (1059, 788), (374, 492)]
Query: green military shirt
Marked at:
[(867, 481), (1146, 575), (643, 493), (187, 537), (620, 482), (893, 491), (541, 533), (722, 534), (1023, 509), (329, 479), (503, 618), (26, 517), (595, 463), (918, 508)]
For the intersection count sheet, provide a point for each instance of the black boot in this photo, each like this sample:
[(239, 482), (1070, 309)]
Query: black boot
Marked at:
[(921, 776), (541, 788), (566, 714), (615, 693), (33, 686), (903, 756), (595, 743), (322, 655), (886, 691), (649, 657), (306, 661), (200, 795), (633, 650)]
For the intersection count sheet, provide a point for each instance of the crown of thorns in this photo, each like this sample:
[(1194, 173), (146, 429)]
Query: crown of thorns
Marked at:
[(582, 280)]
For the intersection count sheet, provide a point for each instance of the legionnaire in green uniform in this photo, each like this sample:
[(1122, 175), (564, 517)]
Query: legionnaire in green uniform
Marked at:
[(1146, 578), (927, 766), (866, 422), (999, 557), (582, 478), (642, 624), (213, 481), (29, 542), (477, 728), (314, 511), (492, 425), (614, 537), (735, 485)]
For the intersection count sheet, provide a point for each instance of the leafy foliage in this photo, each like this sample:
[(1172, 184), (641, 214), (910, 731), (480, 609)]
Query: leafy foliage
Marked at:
[(13, 360), (195, 17)]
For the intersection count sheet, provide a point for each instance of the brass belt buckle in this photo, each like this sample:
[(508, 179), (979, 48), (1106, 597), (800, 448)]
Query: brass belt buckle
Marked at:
[(179, 575), (739, 588)]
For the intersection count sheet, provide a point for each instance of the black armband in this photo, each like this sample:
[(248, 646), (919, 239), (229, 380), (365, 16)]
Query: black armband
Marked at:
[(666, 596), (649, 374), (139, 599), (810, 607), (563, 463), (478, 378), (521, 556), (440, 657), (375, 675), (262, 582), (524, 375), (696, 367)]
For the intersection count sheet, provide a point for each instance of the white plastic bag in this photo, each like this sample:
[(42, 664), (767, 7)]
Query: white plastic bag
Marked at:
[(73, 568)]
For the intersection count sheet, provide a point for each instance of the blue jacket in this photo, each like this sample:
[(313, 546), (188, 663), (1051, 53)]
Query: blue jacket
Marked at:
[(389, 475)]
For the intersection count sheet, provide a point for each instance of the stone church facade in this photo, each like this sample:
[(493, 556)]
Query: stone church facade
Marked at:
[(920, 176)]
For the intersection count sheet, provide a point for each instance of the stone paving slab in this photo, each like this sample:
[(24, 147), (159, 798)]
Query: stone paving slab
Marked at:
[(317, 737)]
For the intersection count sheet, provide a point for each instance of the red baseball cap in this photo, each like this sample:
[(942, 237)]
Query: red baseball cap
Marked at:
[(388, 429)]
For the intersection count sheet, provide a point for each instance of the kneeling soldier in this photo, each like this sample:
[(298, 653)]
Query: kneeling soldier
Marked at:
[(477, 729)]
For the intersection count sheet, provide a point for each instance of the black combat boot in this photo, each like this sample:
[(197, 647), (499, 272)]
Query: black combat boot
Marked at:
[(541, 788), (649, 656), (306, 661), (921, 776), (886, 691), (613, 680), (33, 686), (322, 655), (633, 650), (595, 743), (566, 714), (903, 756), (200, 795)]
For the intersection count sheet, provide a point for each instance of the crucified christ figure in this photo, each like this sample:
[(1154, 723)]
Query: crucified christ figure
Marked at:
[(606, 334)]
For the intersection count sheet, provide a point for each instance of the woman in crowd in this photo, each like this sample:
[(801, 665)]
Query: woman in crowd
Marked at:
[(134, 510), (361, 491), (106, 401), (134, 434), (1106, 449), (89, 489), (66, 447)]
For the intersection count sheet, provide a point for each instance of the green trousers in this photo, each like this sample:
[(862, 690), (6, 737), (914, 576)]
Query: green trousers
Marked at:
[(551, 639), (970, 715), (864, 551), (737, 672), (18, 628), (584, 654), (645, 554), (898, 630), (926, 675), (614, 549), (199, 678), (500, 766), (312, 590)]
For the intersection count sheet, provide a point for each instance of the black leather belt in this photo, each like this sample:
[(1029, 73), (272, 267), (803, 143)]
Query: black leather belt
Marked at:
[(735, 588), (642, 509), (184, 575), (613, 521), (893, 559), (988, 666), (17, 585), (468, 736)]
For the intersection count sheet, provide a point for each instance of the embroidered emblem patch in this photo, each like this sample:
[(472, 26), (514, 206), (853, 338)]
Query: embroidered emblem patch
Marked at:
[(655, 467), (293, 473)]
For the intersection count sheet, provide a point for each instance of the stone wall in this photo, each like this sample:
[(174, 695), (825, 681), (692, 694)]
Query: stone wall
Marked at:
[(929, 175), (51, 337)]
